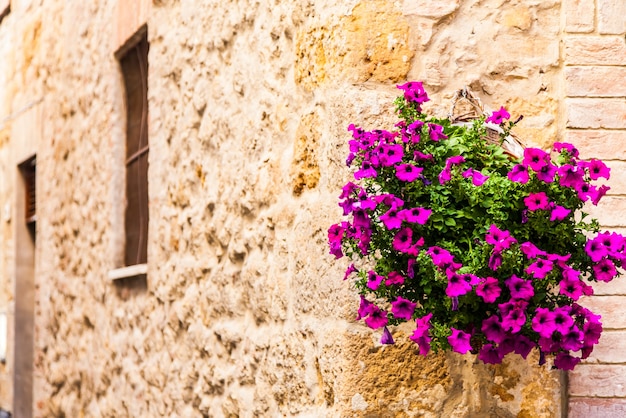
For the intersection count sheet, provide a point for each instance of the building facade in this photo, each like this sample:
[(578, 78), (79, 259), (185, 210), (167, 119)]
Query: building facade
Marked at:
[(169, 169)]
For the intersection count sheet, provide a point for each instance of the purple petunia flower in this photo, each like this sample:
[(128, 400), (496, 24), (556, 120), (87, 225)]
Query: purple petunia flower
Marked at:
[(499, 116), (499, 238), (440, 256), (386, 338), (573, 339), (537, 201), (408, 172), (597, 169), (600, 193), (570, 176), (403, 240), (571, 287), (595, 250), (562, 319), (559, 213), (478, 178), (459, 341), (513, 315), (535, 158), (366, 171), (565, 361), (519, 174), (547, 173), (489, 354), (364, 308), (605, 270), (351, 269), (543, 322), (403, 308), (414, 92), (435, 132), (420, 335), (540, 268), (415, 215), (391, 219), (493, 330), (394, 278), (530, 250), (564, 146), (457, 286), (523, 345), (488, 289), (374, 280), (520, 288), (377, 318)]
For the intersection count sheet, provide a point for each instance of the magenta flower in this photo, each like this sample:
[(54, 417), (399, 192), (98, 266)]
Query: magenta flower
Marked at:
[(364, 308), (488, 289), (523, 345), (377, 318), (498, 116), (415, 129), (592, 329), (499, 238), (571, 287), (351, 269), (565, 361), (459, 341), (543, 322), (394, 278), (586, 191), (540, 268), (478, 178), (415, 215), (408, 172), (535, 158), (519, 174), (537, 201), (570, 176), (414, 92), (513, 315), (366, 171), (600, 193), (493, 330), (530, 250), (386, 338), (562, 319), (402, 308), (489, 354), (440, 256), (436, 132), (605, 270), (391, 219), (457, 286), (547, 173), (420, 335), (573, 339), (520, 289), (613, 242), (420, 156), (597, 169), (559, 213), (445, 175), (495, 260), (564, 146), (374, 280), (390, 154), (595, 250), (403, 239)]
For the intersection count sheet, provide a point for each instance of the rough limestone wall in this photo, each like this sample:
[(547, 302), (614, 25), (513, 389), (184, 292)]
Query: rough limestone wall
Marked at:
[(245, 312)]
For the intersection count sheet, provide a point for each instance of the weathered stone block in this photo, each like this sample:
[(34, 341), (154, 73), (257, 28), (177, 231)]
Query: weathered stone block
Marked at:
[(611, 17), (610, 349), (596, 113), (597, 408), (432, 9), (598, 380), (611, 309), (595, 50), (598, 144), (579, 16), (595, 81)]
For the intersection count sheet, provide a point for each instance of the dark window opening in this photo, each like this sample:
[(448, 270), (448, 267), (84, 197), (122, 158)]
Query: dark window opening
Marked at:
[(134, 64), (28, 169)]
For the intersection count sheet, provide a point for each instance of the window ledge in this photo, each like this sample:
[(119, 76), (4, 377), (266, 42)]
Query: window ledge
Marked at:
[(127, 272)]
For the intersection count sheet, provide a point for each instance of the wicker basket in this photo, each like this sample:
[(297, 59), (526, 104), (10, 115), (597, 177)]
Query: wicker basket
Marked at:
[(466, 108)]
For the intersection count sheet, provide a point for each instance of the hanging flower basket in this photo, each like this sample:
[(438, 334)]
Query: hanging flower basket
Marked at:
[(484, 250)]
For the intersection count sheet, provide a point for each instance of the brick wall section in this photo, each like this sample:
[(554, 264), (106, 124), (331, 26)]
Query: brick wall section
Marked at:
[(595, 105)]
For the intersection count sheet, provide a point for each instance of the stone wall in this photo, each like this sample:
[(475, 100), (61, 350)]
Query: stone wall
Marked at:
[(595, 87), (245, 313)]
